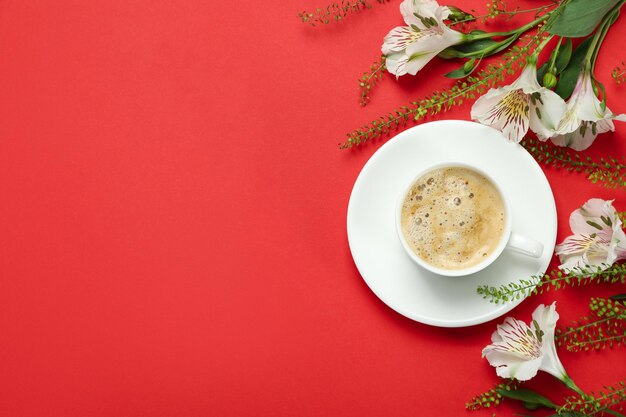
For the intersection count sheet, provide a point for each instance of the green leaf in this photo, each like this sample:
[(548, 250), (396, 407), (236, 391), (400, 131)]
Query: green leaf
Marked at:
[(541, 71), (579, 18), (531, 406), (464, 71), (468, 47), (568, 414), (618, 297), (529, 397), (615, 413), (457, 73), (562, 59), (475, 46), (569, 76)]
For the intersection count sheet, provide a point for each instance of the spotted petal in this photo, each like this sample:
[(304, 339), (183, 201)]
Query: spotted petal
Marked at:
[(596, 215), (510, 366), (546, 318), (575, 245), (398, 39), (515, 351), (585, 118), (545, 113), (417, 47), (598, 239), (578, 140), (425, 9), (425, 36), (396, 63), (505, 109)]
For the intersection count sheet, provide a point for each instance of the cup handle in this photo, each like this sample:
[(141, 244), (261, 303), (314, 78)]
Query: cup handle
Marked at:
[(525, 245)]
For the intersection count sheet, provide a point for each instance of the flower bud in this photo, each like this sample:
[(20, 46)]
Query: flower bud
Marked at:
[(549, 80), (456, 14), (469, 65)]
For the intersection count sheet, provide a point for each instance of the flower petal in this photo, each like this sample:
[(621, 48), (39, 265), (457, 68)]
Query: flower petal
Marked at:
[(419, 46), (596, 207), (509, 366), (434, 39), (546, 318), (599, 239), (418, 61), (546, 112), (605, 125), (408, 9), (584, 118), (527, 80), (620, 244), (509, 115), (396, 63), (516, 339), (424, 8), (589, 106), (397, 39), (576, 244), (571, 262), (426, 45), (599, 255), (587, 219), (484, 104), (579, 140)]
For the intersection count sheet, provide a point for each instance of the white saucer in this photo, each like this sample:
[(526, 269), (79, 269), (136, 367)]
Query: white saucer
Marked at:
[(385, 266)]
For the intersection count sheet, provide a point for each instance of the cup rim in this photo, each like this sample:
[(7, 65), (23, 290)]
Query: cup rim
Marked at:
[(504, 238)]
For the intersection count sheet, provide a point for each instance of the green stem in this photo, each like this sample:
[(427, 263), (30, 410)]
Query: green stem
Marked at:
[(591, 324), (499, 46), (517, 31), (569, 383), (594, 55), (555, 54), (493, 49), (598, 37), (512, 13), (605, 30), (541, 46), (592, 48), (598, 340), (581, 403), (373, 73)]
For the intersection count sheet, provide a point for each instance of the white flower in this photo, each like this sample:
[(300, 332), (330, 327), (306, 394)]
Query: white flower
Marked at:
[(519, 351), (409, 48), (598, 238), (584, 118), (514, 108)]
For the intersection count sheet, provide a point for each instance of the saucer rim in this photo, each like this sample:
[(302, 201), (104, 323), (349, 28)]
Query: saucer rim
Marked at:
[(448, 323)]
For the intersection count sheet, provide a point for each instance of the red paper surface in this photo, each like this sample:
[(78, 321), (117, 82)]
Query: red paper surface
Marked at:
[(172, 225)]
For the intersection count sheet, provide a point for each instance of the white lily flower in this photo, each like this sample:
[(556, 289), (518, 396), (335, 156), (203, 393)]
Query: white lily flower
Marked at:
[(409, 48), (515, 108), (584, 118), (598, 239), (519, 351)]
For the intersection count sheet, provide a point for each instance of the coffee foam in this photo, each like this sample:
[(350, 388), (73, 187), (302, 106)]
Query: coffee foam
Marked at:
[(453, 218)]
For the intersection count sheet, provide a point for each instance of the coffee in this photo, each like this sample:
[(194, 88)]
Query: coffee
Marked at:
[(453, 218)]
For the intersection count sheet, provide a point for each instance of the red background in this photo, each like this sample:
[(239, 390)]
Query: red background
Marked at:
[(172, 218)]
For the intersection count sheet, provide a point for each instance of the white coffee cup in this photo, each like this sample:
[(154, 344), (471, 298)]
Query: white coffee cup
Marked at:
[(508, 239)]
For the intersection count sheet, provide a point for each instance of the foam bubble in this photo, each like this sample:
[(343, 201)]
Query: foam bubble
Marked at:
[(450, 232)]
